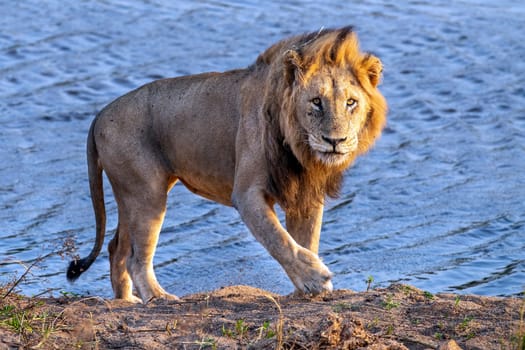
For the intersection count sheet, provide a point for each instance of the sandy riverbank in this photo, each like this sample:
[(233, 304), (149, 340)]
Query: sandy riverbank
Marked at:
[(399, 317)]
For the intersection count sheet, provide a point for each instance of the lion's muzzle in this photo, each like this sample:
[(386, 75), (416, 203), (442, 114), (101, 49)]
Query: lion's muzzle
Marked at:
[(332, 150)]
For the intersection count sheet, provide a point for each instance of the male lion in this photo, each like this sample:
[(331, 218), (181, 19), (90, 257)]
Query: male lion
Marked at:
[(281, 131)]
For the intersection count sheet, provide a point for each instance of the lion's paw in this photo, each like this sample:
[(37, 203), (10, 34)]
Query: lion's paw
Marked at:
[(163, 296), (309, 274), (130, 299)]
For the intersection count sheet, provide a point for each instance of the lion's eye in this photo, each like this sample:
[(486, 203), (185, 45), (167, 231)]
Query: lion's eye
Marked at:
[(318, 104), (351, 103)]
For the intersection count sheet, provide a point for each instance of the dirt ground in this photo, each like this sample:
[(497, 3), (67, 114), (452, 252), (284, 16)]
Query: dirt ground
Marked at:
[(240, 317)]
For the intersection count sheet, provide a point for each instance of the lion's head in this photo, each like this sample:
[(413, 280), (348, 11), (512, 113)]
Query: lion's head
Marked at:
[(324, 109)]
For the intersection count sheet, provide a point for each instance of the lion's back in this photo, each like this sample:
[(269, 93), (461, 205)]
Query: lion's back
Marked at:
[(188, 124)]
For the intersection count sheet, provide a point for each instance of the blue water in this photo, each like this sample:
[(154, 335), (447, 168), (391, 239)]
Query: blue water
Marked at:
[(438, 203)]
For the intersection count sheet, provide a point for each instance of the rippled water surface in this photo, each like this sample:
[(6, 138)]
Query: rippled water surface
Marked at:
[(439, 202)]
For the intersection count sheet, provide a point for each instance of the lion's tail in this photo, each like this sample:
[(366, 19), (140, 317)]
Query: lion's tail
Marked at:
[(77, 267)]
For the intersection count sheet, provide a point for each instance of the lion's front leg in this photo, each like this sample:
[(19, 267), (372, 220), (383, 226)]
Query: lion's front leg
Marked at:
[(305, 269), (305, 228)]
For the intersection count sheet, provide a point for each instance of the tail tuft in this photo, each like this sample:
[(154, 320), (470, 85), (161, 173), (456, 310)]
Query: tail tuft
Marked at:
[(76, 268)]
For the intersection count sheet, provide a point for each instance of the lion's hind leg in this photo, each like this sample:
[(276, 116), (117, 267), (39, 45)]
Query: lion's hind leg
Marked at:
[(119, 250), (141, 214)]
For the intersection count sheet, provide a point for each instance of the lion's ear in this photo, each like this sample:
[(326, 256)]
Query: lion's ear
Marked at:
[(293, 65), (373, 67)]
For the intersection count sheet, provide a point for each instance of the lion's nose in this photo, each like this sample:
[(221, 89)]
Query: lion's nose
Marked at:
[(333, 141)]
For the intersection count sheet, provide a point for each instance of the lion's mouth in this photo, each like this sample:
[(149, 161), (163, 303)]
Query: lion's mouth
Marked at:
[(332, 157), (332, 154)]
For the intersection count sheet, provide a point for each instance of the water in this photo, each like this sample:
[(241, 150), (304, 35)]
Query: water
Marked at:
[(439, 203)]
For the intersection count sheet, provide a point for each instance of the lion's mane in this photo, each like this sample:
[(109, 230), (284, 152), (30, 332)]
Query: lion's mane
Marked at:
[(298, 180)]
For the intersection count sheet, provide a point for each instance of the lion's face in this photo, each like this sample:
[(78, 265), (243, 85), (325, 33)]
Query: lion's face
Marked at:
[(331, 109)]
